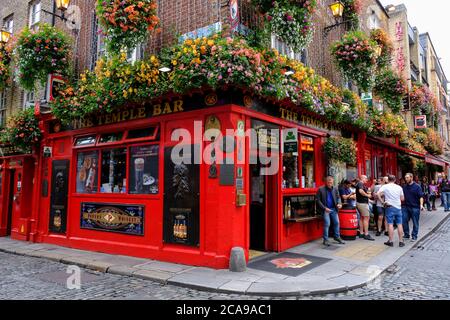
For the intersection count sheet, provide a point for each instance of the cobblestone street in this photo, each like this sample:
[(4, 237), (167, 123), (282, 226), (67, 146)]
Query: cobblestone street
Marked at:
[(423, 273)]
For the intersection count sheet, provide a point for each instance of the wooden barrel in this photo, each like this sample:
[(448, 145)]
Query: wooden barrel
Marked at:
[(348, 220)]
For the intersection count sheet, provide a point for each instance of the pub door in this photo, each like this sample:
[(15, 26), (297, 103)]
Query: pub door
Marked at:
[(11, 199), (263, 211)]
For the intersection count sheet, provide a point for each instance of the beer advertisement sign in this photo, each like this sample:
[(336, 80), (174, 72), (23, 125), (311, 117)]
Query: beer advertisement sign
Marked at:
[(119, 218)]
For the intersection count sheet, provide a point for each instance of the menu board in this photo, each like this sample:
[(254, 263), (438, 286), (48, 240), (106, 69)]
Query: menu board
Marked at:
[(144, 170), (59, 194)]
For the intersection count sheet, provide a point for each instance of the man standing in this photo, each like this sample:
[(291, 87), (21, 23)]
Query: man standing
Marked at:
[(444, 189), (380, 210), (412, 206), (362, 204), (347, 195), (392, 196), (328, 204)]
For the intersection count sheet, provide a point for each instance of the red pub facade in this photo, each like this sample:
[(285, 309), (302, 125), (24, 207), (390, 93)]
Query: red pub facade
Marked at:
[(109, 184)]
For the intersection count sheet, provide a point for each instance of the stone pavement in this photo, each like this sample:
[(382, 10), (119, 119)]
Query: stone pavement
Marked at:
[(352, 266)]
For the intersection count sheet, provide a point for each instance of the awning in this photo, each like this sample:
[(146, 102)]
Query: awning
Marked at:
[(436, 160)]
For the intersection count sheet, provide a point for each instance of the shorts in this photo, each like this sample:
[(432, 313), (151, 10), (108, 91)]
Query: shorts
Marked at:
[(380, 210), (394, 215), (363, 209)]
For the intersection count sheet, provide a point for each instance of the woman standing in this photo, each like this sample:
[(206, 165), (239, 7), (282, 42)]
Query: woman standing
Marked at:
[(433, 193), (426, 192)]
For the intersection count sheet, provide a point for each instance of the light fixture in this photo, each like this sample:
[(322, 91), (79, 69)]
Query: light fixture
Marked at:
[(4, 36), (165, 69), (62, 4), (337, 8)]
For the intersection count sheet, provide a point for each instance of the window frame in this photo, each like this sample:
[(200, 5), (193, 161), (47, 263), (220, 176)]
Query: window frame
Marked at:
[(8, 23), (276, 43), (125, 143), (33, 14), (300, 189), (26, 102), (3, 107)]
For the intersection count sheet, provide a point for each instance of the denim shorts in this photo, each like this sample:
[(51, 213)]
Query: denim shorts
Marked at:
[(394, 215)]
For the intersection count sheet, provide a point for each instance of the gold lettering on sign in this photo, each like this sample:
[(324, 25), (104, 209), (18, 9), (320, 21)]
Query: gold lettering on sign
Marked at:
[(304, 120)]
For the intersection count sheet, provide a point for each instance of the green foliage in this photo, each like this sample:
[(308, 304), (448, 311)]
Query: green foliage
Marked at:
[(22, 130), (341, 150), (391, 89)]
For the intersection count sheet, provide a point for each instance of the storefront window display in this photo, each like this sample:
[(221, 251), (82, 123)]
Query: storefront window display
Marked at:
[(144, 169), (113, 171), (87, 172), (308, 178)]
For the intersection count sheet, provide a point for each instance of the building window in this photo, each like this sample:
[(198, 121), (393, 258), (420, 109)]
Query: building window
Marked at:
[(374, 21), (98, 48), (122, 165), (8, 24), (87, 172), (2, 108), (28, 99), (302, 163), (135, 54), (283, 49), (35, 13), (113, 171)]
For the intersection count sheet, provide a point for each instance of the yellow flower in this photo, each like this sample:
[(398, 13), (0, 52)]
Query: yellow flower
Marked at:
[(210, 43), (188, 42), (152, 59), (197, 41), (174, 62)]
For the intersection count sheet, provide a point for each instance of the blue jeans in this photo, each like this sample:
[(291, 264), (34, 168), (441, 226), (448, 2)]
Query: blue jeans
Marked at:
[(446, 200), (327, 217), (408, 214)]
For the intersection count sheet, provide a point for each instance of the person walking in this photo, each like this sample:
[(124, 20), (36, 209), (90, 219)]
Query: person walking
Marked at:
[(444, 189), (380, 210), (391, 196), (426, 192), (362, 204), (329, 203), (433, 194), (412, 206)]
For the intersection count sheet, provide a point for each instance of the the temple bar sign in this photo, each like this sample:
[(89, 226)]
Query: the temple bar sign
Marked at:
[(420, 122), (306, 121)]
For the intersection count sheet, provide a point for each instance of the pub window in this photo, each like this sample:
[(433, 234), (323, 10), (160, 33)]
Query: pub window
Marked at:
[(149, 132), (290, 170), (113, 171), (85, 141), (111, 137), (2, 108), (144, 168), (35, 14), (307, 150), (87, 172)]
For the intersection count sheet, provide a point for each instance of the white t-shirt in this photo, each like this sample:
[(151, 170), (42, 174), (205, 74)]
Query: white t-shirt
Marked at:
[(392, 194)]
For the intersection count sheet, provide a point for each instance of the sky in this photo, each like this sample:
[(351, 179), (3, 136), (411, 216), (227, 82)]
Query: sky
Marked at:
[(432, 16)]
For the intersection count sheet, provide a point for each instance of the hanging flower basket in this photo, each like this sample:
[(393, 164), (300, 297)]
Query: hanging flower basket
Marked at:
[(352, 11), (355, 56), (389, 125), (391, 89), (41, 52), (423, 100), (22, 130), (340, 150), (126, 23), (290, 20), (5, 62)]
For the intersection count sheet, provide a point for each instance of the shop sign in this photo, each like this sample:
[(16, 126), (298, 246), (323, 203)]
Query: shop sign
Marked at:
[(420, 122), (12, 151), (268, 135), (128, 219), (307, 121), (367, 97), (290, 141)]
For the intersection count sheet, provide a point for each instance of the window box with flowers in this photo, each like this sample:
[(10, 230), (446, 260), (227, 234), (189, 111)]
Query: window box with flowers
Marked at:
[(41, 52), (355, 55), (126, 23)]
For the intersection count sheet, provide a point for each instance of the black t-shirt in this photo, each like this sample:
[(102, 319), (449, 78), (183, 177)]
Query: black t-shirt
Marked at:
[(359, 197)]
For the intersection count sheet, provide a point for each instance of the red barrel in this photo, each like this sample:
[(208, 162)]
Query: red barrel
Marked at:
[(348, 220)]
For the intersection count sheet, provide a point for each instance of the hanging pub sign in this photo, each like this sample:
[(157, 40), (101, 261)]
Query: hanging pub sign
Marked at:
[(234, 15), (367, 97), (290, 141), (420, 122), (121, 218), (54, 84)]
